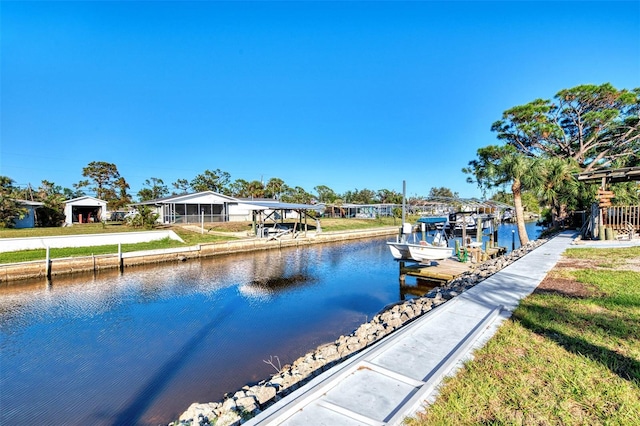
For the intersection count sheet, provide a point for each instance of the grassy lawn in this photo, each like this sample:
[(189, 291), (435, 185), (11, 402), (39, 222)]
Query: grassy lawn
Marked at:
[(339, 224), (214, 232), (190, 238), (570, 355)]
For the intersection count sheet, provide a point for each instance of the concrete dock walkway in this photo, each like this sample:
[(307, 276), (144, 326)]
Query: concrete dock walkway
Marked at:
[(392, 379)]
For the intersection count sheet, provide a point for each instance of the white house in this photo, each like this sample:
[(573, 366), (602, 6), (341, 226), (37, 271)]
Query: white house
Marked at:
[(84, 210), (190, 208), (209, 206)]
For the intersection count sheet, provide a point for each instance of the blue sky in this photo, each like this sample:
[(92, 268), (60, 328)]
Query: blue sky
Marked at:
[(350, 95)]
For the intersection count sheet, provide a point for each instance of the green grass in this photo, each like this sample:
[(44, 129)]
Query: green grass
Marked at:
[(604, 258), (339, 224), (559, 360), (89, 228), (189, 238)]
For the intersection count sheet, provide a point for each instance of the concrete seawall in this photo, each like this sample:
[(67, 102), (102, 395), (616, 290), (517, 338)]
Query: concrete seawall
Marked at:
[(11, 272), (84, 240)]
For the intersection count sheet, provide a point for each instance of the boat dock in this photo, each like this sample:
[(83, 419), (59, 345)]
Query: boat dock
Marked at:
[(446, 270), (441, 271)]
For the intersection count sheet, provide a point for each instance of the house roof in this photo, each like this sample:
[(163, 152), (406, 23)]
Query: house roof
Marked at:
[(29, 203), (85, 198), (254, 204), (173, 199), (277, 205)]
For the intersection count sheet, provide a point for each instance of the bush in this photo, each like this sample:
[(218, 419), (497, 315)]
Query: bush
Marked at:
[(144, 217)]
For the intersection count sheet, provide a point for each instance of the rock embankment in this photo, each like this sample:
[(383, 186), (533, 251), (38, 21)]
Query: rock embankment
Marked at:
[(250, 400)]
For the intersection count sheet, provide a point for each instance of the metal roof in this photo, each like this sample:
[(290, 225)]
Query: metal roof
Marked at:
[(174, 199), (467, 202), (29, 203), (277, 205)]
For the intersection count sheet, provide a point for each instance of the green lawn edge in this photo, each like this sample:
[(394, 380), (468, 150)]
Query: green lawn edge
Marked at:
[(560, 359)]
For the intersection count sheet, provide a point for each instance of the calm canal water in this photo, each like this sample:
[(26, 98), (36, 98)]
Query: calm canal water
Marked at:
[(139, 348)]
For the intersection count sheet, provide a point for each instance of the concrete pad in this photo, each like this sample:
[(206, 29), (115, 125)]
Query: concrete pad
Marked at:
[(316, 414), (394, 377), (370, 393)]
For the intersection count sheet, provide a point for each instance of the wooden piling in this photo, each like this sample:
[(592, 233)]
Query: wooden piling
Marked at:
[(120, 261), (48, 264)]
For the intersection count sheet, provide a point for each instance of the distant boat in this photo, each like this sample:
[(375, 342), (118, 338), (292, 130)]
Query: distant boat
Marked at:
[(507, 216), (432, 220), (468, 223)]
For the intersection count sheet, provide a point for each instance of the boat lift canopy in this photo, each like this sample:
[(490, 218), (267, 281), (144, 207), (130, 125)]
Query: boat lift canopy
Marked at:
[(442, 205), (267, 211)]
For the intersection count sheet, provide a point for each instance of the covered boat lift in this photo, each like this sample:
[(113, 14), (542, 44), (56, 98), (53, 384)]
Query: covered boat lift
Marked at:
[(268, 218)]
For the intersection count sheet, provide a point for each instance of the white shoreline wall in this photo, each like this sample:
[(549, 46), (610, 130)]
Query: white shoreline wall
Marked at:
[(30, 243)]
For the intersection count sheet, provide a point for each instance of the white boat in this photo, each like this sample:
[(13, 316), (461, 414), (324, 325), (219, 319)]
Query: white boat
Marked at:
[(399, 249), (425, 252)]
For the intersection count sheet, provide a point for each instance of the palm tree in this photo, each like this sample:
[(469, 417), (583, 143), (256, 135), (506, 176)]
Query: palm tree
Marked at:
[(500, 165), (274, 188), (560, 187), (524, 173), (255, 189)]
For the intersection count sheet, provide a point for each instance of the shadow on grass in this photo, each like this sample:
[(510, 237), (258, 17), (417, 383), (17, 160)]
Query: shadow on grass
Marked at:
[(555, 323)]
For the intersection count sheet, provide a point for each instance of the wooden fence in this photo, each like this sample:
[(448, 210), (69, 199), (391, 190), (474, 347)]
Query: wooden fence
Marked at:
[(622, 218)]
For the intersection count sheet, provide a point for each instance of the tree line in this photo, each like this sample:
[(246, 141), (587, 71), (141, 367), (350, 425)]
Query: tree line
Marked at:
[(103, 180), (542, 146)]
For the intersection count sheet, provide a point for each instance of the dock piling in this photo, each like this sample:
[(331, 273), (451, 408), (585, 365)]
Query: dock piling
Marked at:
[(48, 264)]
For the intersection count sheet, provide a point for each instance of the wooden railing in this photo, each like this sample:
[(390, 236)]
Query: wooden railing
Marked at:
[(621, 218)]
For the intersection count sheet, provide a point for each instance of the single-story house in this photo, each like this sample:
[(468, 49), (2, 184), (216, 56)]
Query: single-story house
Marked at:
[(210, 206), (29, 220), (84, 210), (360, 211), (192, 208)]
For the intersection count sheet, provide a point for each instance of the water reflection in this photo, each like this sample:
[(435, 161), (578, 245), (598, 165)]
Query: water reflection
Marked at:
[(421, 287), (139, 347)]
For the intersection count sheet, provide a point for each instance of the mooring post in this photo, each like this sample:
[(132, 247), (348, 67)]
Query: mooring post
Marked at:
[(513, 239), (120, 262), (402, 276), (48, 264)]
